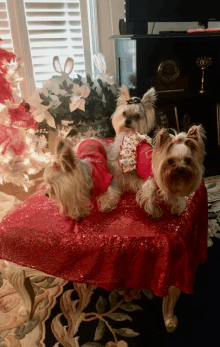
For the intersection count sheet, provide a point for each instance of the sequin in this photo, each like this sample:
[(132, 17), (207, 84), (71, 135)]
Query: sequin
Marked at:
[(110, 250)]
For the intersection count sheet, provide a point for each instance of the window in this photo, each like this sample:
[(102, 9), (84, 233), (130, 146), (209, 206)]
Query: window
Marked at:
[(42, 29), (5, 31)]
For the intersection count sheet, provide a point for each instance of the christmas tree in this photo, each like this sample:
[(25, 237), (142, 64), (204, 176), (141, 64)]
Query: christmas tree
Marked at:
[(21, 151)]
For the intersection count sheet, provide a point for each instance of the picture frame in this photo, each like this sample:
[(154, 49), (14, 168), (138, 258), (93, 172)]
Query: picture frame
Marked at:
[(167, 117)]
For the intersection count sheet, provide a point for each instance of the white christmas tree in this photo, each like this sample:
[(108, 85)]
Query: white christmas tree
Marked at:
[(22, 153)]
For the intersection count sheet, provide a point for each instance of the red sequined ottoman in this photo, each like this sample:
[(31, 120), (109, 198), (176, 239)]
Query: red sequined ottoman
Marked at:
[(123, 248)]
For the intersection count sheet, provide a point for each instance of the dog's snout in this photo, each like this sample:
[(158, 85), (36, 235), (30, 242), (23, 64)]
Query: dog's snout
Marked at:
[(128, 121), (47, 195), (180, 170)]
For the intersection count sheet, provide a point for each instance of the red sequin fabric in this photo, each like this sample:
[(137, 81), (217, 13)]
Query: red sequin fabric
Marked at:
[(121, 248)]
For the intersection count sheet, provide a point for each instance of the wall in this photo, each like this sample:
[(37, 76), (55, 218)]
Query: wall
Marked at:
[(109, 13)]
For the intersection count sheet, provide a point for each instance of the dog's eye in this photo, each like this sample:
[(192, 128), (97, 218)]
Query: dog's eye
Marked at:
[(188, 161), (170, 161), (124, 113), (136, 116)]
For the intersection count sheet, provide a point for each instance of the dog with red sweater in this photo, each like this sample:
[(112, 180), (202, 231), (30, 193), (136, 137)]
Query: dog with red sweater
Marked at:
[(79, 175)]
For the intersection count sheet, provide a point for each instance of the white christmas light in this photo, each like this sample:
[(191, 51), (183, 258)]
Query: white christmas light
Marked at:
[(27, 161), (28, 140), (31, 171), (31, 131), (2, 107)]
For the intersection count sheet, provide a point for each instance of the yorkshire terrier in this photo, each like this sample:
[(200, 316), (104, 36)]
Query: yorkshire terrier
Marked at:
[(134, 114), (133, 117), (177, 167), (80, 174)]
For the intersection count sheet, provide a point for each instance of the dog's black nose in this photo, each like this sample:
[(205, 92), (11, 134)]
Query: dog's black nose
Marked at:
[(180, 170), (128, 122), (47, 195)]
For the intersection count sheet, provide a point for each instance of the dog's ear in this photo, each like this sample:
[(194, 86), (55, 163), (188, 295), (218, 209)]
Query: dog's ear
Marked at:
[(65, 155), (194, 138), (68, 158), (123, 96), (149, 97), (162, 139), (59, 144), (196, 132)]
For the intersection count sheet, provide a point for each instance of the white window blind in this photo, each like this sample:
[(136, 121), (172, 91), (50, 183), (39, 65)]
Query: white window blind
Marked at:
[(5, 30), (46, 28), (54, 28)]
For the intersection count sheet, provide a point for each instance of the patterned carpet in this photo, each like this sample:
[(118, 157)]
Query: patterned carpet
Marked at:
[(213, 189), (73, 315)]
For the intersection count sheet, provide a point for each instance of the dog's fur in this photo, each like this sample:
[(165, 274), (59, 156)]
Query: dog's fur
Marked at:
[(71, 186), (134, 117), (130, 118), (177, 165)]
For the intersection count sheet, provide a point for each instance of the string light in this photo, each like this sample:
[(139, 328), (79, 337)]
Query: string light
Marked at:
[(31, 171), (2, 107), (27, 161), (16, 165), (31, 131)]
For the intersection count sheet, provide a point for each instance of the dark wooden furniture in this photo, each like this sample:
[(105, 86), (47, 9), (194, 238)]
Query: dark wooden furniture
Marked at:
[(169, 63)]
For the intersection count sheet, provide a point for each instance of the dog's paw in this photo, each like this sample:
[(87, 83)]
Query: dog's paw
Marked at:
[(177, 206), (177, 210), (108, 201), (107, 209), (82, 213), (105, 204), (154, 212), (149, 204)]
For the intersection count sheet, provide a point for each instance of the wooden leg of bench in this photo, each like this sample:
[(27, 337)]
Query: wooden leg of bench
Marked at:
[(169, 301)]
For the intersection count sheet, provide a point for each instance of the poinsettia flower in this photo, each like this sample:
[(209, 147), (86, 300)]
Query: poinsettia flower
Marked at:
[(79, 94), (56, 89), (82, 91), (49, 119), (55, 101), (77, 102), (36, 100)]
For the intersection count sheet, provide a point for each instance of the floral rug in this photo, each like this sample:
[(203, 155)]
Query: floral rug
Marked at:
[(77, 315), (69, 314), (213, 189)]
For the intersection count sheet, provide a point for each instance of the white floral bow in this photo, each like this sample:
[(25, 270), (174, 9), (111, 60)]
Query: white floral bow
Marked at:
[(100, 63), (53, 84)]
